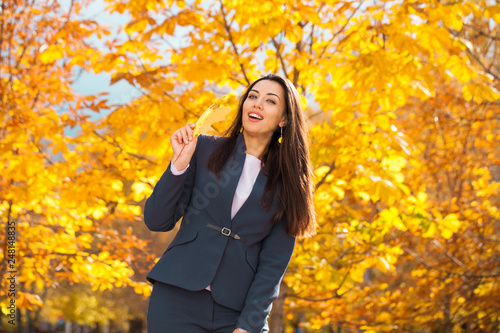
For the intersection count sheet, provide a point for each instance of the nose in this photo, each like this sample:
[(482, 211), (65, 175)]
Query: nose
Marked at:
[(257, 105)]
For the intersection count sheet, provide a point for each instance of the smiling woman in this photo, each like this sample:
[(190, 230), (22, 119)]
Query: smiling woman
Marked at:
[(286, 165), (263, 112), (244, 198)]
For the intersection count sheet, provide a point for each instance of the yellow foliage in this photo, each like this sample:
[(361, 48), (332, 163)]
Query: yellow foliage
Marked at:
[(401, 100), (480, 92), (28, 301)]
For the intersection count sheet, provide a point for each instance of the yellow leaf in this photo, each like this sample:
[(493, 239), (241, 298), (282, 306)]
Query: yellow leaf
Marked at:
[(453, 21), (97, 213), (116, 185), (383, 265), (51, 54), (367, 330), (140, 190), (394, 163), (356, 273), (461, 69), (294, 33), (339, 192), (383, 317), (39, 284), (480, 92), (431, 231), (451, 221), (27, 301), (136, 210), (4, 305), (493, 12), (211, 116), (138, 25), (446, 233)]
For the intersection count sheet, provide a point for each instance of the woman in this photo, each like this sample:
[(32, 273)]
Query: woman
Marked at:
[(244, 198)]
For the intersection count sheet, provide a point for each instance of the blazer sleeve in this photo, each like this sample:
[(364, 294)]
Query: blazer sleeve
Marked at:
[(170, 197), (274, 256)]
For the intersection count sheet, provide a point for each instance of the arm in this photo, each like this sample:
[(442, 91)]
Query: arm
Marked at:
[(170, 197), (275, 254)]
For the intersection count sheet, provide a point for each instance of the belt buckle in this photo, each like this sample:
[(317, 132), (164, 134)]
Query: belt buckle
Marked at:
[(225, 231)]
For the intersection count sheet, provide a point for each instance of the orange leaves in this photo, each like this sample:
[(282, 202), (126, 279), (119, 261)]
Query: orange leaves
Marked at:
[(493, 12), (50, 54), (402, 102), (480, 92), (141, 191), (59, 183), (28, 301), (142, 288), (138, 25), (461, 69)]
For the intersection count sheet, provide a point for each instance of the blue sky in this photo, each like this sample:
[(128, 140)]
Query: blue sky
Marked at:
[(90, 83)]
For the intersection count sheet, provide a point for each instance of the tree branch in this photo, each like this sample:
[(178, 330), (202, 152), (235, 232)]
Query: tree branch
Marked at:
[(449, 255), (230, 36), (340, 31), (327, 298), (482, 33), (280, 56), (332, 167), (430, 266), (115, 144), (475, 56)]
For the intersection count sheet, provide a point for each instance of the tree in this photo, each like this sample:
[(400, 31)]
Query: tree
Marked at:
[(51, 187), (402, 99), (360, 67)]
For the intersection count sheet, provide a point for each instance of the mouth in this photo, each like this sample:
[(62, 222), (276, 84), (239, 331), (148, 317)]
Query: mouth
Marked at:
[(255, 116)]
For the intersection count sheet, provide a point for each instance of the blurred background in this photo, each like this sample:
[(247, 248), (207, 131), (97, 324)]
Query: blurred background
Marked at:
[(403, 104)]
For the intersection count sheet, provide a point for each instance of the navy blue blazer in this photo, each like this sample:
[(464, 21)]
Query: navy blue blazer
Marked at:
[(244, 274)]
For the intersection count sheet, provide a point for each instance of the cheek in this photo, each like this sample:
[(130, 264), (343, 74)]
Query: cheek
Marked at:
[(277, 115), (247, 104)]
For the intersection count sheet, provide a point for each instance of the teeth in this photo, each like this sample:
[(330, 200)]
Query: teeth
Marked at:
[(256, 116)]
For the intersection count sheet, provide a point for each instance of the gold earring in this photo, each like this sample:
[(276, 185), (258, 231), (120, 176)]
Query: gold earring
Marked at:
[(280, 140), (241, 129)]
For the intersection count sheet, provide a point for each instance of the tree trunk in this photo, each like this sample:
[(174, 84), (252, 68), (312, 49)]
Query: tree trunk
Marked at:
[(276, 322)]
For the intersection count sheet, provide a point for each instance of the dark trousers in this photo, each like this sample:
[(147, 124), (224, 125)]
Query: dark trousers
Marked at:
[(176, 310)]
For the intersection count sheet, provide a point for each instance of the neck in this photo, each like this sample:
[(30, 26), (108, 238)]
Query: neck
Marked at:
[(256, 145)]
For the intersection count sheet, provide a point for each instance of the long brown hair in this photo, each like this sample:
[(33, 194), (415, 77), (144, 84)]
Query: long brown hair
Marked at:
[(287, 165)]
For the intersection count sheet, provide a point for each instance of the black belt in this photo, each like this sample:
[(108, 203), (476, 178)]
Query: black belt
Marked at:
[(226, 232)]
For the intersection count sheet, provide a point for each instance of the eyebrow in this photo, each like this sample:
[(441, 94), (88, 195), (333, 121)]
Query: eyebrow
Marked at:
[(267, 93)]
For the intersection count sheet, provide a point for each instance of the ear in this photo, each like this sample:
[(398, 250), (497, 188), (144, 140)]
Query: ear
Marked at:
[(283, 122)]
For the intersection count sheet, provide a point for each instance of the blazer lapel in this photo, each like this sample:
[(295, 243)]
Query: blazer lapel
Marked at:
[(230, 176), (255, 196)]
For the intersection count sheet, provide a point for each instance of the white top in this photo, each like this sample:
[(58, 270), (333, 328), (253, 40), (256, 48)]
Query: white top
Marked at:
[(251, 170), (249, 174)]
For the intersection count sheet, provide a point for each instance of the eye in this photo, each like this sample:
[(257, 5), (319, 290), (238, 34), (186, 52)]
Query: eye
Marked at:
[(252, 96), (271, 101)]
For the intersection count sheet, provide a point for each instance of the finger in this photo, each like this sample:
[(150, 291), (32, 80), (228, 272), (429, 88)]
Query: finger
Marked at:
[(184, 135), (177, 136), (189, 132)]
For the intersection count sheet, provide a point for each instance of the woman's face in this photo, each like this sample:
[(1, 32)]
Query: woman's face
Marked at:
[(263, 109)]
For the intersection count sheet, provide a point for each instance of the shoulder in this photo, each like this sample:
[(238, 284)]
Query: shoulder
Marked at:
[(207, 144), (207, 140)]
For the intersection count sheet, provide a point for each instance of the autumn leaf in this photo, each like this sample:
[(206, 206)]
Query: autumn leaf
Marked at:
[(211, 116)]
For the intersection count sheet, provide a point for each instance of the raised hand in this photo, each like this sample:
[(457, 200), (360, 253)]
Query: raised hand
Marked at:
[(183, 144)]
